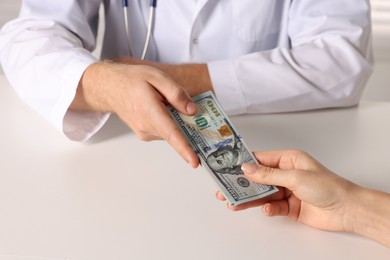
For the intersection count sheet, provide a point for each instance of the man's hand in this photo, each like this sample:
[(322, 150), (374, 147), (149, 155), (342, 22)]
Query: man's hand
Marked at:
[(138, 95)]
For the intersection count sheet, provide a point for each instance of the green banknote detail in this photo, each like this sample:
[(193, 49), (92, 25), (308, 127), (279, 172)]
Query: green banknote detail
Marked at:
[(220, 149)]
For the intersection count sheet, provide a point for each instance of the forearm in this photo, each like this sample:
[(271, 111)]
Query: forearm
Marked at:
[(373, 215)]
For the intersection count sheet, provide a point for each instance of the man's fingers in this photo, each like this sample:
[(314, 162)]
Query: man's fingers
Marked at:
[(178, 98), (166, 127), (176, 95), (180, 144)]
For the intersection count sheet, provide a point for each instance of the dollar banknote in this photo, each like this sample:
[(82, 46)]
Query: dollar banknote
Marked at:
[(220, 149)]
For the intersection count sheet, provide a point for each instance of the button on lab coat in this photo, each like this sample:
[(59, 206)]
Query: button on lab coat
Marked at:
[(263, 56)]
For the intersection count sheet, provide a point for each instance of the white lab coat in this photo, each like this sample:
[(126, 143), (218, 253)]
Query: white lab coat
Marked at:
[(263, 56)]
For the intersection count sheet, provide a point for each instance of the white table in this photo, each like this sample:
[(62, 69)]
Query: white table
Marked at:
[(116, 197)]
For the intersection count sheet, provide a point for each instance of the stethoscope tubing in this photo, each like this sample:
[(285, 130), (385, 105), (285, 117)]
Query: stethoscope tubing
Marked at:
[(152, 11)]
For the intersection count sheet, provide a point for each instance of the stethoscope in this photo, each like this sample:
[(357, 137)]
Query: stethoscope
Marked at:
[(152, 4)]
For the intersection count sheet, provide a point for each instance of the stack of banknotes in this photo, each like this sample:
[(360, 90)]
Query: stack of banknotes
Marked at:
[(220, 149)]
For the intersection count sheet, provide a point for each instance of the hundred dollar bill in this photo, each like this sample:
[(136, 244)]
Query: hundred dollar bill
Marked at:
[(221, 149)]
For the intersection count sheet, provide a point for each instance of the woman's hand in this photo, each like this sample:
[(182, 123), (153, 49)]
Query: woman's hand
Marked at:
[(309, 192)]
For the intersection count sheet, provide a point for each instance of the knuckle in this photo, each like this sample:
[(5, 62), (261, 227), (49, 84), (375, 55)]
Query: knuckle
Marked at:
[(170, 136), (295, 178), (156, 74), (142, 137), (267, 171), (295, 152), (301, 152), (178, 94)]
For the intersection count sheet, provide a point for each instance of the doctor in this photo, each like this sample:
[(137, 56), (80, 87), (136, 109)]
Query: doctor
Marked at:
[(257, 56)]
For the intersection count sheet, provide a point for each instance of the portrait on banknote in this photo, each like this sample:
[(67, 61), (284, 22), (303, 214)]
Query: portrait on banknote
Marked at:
[(229, 158)]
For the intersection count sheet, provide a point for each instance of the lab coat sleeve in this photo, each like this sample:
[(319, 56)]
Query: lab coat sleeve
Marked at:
[(326, 64), (44, 53)]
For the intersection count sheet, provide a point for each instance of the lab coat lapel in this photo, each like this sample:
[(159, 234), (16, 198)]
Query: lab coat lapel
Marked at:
[(199, 6)]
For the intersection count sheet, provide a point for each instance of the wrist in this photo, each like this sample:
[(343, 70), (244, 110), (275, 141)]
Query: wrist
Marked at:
[(195, 78), (90, 93), (371, 215), (355, 212), (349, 205)]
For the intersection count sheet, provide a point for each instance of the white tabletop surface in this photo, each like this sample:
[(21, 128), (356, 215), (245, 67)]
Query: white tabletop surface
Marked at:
[(115, 197)]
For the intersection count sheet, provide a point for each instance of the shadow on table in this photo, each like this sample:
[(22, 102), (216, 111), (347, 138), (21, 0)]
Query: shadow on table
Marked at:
[(113, 128)]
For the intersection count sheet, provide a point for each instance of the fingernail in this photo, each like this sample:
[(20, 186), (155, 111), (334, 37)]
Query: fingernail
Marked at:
[(191, 107), (190, 161), (249, 168)]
